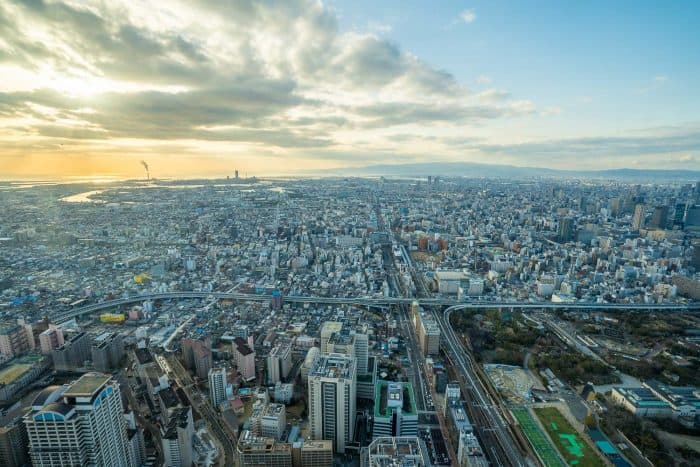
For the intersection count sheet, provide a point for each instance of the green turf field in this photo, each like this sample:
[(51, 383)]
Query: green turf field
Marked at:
[(537, 439), (568, 441)]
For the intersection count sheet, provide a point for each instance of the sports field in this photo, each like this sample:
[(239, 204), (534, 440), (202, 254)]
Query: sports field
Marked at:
[(567, 440), (537, 439)]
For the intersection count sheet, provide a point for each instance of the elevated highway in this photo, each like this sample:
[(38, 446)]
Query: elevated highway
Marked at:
[(382, 301)]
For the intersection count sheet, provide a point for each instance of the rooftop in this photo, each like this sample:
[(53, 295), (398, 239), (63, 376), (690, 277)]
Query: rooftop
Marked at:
[(87, 385), (333, 366), (405, 451), (388, 391)]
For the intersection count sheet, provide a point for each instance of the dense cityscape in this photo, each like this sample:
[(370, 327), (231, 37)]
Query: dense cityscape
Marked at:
[(380, 321)]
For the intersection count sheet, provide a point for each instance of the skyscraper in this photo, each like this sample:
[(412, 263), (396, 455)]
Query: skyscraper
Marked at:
[(81, 423), (566, 229), (638, 219), (217, 386), (332, 398), (659, 218)]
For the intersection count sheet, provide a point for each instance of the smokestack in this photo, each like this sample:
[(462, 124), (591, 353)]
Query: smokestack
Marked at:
[(145, 166)]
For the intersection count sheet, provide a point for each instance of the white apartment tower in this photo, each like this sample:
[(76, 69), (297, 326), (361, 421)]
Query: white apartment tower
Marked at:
[(81, 423), (332, 399), (279, 363), (217, 386)]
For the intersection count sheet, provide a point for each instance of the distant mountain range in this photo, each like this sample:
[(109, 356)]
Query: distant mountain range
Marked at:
[(471, 169)]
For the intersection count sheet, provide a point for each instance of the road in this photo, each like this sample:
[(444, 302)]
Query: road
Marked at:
[(380, 301)]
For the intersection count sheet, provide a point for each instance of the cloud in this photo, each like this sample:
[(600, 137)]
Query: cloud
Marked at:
[(647, 142), (278, 80), (657, 82), (467, 16)]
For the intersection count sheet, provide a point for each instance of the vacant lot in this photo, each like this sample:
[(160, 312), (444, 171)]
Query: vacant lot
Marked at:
[(568, 441)]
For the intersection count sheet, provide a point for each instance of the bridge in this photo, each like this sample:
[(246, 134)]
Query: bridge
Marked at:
[(374, 302)]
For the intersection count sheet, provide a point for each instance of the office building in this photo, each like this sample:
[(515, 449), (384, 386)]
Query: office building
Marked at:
[(428, 333), (327, 330), (638, 218), (259, 451), (565, 232), (217, 386), (279, 363), (81, 423), (311, 453), (659, 217), (176, 438), (107, 351), (309, 361), (469, 452), (73, 354), (395, 412), (692, 218), (396, 451), (679, 215), (51, 339), (284, 393), (332, 399), (268, 420)]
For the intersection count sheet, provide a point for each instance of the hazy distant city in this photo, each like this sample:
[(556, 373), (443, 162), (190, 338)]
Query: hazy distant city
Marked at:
[(426, 321)]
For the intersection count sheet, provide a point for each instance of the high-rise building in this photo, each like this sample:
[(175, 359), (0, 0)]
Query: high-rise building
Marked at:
[(51, 339), (679, 215), (659, 219), (638, 218), (692, 218), (107, 351), (176, 438), (279, 362), (311, 356), (395, 412), (332, 399), (136, 439), (13, 439), (565, 233), (244, 357), (81, 423), (268, 420), (15, 340), (327, 330), (396, 451), (217, 386), (72, 354), (196, 355), (615, 206), (428, 333)]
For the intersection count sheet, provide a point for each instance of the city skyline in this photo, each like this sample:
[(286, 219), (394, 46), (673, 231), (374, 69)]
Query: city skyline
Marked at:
[(205, 88)]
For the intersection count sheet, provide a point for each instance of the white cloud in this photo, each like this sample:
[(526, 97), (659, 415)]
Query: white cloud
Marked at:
[(468, 16)]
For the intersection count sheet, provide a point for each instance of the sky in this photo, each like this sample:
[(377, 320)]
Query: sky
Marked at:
[(206, 87)]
